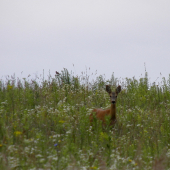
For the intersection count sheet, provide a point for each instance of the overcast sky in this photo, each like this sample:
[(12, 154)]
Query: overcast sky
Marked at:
[(108, 36)]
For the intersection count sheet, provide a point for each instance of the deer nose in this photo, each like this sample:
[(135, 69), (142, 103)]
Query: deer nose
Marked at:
[(113, 102)]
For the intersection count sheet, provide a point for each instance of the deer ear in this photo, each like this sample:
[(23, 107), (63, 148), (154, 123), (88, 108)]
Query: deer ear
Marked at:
[(118, 89), (108, 89)]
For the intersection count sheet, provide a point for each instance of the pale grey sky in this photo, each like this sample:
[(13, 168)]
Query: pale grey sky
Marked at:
[(107, 36)]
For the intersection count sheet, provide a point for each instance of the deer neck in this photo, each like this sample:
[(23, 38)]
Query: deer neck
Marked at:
[(113, 111)]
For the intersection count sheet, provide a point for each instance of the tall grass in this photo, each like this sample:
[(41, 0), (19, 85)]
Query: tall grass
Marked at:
[(44, 124)]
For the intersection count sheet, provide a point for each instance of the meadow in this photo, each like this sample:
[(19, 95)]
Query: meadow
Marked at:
[(44, 124)]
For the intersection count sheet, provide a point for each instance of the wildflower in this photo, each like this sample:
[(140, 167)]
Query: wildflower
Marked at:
[(130, 160), (17, 133), (28, 140), (145, 131), (103, 136), (68, 132), (168, 153), (61, 121), (27, 149), (42, 160), (0, 145), (56, 144), (55, 158), (128, 125), (39, 156), (9, 87)]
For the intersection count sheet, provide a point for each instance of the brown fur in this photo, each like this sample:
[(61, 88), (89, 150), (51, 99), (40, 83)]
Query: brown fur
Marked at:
[(101, 114)]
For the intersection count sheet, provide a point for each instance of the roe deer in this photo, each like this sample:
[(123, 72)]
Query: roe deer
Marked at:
[(100, 114)]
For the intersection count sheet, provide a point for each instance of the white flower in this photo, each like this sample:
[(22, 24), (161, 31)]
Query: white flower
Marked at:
[(27, 149), (168, 153), (42, 160), (69, 131), (39, 156), (55, 158)]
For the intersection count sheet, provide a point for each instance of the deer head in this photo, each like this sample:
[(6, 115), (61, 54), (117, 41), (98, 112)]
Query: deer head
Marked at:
[(113, 95)]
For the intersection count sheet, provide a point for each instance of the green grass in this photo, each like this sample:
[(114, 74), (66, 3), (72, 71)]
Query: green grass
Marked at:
[(37, 114)]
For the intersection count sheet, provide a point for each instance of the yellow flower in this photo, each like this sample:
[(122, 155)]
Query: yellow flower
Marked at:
[(9, 87), (130, 160), (145, 131), (61, 121), (103, 136), (38, 136), (17, 133), (0, 145)]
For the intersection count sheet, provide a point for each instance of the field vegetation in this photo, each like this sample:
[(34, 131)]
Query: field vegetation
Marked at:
[(44, 124)]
